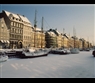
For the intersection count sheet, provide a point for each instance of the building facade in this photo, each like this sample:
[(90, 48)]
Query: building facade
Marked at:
[(4, 34), (51, 39), (39, 38), (19, 29)]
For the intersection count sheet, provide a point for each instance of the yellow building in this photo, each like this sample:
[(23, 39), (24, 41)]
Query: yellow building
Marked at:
[(70, 42), (39, 38), (19, 29), (80, 44), (4, 34)]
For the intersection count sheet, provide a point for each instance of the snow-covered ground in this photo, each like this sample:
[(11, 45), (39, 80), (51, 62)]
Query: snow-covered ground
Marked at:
[(80, 65)]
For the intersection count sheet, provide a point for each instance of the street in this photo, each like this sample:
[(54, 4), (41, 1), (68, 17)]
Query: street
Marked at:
[(80, 65)]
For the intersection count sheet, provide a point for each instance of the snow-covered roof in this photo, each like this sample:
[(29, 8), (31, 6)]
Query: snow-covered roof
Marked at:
[(14, 15), (51, 33), (17, 16), (58, 32), (24, 18), (38, 29)]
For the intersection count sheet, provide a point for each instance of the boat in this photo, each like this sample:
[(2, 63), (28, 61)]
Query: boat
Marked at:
[(93, 53), (37, 53), (74, 50), (59, 51), (3, 56), (12, 52)]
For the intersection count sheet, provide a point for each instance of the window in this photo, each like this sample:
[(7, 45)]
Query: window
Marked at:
[(13, 18), (11, 23), (17, 24), (14, 24)]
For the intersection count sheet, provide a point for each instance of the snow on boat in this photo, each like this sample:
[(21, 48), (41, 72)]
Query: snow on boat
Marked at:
[(59, 51), (36, 53), (74, 50), (3, 56)]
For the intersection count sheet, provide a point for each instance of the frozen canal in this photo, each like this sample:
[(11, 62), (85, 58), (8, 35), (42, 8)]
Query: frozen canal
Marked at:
[(80, 65)]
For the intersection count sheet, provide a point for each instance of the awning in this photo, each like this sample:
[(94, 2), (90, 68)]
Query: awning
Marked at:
[(8, 41), (2, 41)]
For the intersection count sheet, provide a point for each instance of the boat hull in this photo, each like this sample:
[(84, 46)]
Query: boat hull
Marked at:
[(3, 58), (31, 56), (58, 52)]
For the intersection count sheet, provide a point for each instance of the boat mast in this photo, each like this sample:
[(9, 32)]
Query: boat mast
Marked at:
[(63, 37), (42, 33), (88, 42), (74, 35), (35, 25)]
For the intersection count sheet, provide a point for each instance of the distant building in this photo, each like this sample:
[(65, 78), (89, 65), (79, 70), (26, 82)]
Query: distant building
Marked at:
[(4, 34), (65, 40), (81, 44), (50, 38), (39, 38)]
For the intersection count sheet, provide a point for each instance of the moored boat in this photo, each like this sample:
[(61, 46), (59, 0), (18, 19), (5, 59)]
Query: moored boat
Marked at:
[(59, 51), (3, 56), (74, 50), (37, 53)]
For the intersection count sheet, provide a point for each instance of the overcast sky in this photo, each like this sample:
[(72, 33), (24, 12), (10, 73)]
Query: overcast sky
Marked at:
[(67, 16)]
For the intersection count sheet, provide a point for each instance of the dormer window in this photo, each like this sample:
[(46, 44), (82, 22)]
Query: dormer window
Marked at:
[(13, 18), (16, 19)]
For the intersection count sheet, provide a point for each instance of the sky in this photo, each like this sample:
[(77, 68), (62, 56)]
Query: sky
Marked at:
[(60, 16)]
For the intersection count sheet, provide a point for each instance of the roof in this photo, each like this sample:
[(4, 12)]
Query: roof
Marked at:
[(18, 16), (51, 33), (66, 36), (14, 15), (38, 29), (24, 18), (55, 31)]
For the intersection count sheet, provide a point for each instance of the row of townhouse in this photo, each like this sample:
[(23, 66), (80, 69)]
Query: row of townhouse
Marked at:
[(16, 31), (56, 39)]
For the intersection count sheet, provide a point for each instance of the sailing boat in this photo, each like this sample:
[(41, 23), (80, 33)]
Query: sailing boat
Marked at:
[(36, 53), (74, 50)]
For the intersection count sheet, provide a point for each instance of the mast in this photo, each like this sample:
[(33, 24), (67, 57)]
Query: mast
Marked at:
[(63, 37), (88, 42), (35, 25), (74, 35), (42, 33)]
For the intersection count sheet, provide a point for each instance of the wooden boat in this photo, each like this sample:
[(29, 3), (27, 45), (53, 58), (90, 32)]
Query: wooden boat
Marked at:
[(3, 56), (36, 53), (12, 52), (58, 51), (74, 50)]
